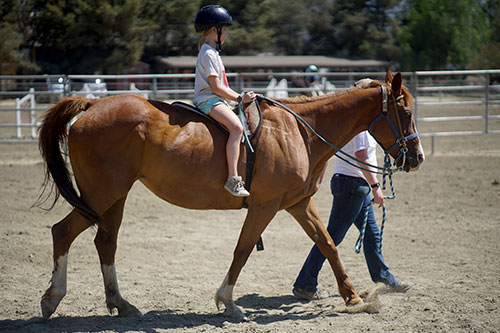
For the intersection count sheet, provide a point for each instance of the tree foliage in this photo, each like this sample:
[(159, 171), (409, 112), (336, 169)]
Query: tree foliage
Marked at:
[(87, 36), (12, 25), (489, 55), (442, 34), (108, 36), (364, 28)]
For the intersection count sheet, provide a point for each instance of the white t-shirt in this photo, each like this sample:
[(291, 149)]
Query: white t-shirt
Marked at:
[(361, 141), (208, 63)]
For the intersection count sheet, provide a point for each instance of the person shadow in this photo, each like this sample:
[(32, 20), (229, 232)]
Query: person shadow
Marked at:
[(259, 309)]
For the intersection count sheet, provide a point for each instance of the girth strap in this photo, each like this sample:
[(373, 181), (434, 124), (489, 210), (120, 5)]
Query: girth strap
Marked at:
[(250, 158)]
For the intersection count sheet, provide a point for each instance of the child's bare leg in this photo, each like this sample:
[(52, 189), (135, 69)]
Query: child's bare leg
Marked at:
[(223, 114)]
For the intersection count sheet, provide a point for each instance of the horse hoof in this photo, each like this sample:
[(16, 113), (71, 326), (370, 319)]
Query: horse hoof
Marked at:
[(236, 314), (48, 306), (371, 304), (47, 310), (354, 301), (125, 309), (129, 311)]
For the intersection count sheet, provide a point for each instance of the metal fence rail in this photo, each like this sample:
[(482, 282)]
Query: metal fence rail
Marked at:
[(432, 90)]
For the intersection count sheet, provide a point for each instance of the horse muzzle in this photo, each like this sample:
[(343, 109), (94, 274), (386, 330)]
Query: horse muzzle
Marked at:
[(412, 162)]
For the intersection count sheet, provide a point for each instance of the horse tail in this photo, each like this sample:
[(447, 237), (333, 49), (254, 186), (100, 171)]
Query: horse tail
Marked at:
[(52, 134)]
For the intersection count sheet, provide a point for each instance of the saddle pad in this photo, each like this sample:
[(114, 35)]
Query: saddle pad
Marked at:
[(254, 117)]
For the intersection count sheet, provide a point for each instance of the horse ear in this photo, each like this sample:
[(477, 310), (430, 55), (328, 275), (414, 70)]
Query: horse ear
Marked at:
[(388, 76), (396, 83)]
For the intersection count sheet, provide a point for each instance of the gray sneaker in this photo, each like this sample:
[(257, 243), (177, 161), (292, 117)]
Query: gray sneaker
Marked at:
[(309, 295), (401, 287), (236, 187)]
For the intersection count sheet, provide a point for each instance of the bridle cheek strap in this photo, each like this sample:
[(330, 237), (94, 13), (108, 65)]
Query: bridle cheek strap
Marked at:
[(400, 138)]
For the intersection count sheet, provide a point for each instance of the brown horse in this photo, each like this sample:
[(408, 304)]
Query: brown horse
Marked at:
[(181, 158)]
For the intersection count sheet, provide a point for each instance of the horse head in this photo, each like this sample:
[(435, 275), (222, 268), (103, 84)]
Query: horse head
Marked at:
[(394, 128)]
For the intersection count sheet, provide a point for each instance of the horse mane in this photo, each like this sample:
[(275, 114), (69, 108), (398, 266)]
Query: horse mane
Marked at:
[(308, 99), (361, 84), (369, 83)]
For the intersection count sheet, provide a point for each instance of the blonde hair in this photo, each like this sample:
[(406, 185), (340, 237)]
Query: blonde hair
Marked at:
[(203, 38)]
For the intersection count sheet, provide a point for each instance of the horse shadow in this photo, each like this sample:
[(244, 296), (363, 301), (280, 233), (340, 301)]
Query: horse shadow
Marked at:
[(256, 307)]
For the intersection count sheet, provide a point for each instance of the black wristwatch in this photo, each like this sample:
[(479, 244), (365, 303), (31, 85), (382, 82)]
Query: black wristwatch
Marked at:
[(240, 97), (374, 186)]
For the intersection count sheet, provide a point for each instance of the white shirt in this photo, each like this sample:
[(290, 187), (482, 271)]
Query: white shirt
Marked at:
[(361, 141), (208, 63)]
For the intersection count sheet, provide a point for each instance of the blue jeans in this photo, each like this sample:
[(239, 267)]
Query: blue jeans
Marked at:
[(351, 199)]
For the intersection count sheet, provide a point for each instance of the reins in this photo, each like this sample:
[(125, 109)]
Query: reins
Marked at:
[(300, 119), (387, 169), (361, 237)]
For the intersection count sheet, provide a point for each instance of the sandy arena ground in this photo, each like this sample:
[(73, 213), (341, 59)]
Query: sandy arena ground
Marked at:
[(442, 234)]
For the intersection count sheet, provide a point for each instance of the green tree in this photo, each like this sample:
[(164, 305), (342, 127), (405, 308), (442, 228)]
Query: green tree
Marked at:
[(88, 36), (12, 23), (250, 33), (364, 28), (173, 33), (492, 10), (320, 35), (489, 55), (287, 21), (440, 34)]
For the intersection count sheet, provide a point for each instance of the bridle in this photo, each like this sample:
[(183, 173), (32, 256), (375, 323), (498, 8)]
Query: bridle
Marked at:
[(398, 133)]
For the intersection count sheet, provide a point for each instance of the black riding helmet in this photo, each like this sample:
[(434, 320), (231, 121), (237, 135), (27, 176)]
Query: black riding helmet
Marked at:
[(212, 16)]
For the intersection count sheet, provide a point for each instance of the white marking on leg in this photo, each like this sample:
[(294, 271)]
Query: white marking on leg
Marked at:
[(113, 298), (226, 290), (225, 295), (57, 289), (110, 280), (59, 275)]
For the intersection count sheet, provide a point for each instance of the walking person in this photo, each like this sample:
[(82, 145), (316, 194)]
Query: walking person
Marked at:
[(212, 91), (351, 188)]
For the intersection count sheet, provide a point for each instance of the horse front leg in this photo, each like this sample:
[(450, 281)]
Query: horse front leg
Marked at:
[(256, 221), (306, 214), (106, 243), (63, 235)]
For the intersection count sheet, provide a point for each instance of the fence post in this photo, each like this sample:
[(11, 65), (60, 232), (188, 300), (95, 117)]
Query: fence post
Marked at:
[(486, 97), (66, 85), (415, 94), (33, 113), (432, 144), (18, 118), (155, 87), (19, 121), (241, 82)]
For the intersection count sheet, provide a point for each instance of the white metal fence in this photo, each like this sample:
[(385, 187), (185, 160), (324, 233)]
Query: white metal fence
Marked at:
[(447, 102)]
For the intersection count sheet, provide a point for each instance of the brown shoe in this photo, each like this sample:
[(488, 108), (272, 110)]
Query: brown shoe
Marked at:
[(309, 295)]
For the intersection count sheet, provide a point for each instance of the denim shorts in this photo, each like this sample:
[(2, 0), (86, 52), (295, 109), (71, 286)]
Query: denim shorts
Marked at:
[(208, 105)]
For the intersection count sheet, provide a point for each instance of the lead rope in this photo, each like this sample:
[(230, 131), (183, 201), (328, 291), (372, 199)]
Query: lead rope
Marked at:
[(361, 237)]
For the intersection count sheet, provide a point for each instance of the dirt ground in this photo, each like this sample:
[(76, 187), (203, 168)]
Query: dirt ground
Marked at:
[(442, 234)]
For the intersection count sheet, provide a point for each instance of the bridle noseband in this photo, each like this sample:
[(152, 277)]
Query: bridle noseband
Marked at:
[(398, 133)]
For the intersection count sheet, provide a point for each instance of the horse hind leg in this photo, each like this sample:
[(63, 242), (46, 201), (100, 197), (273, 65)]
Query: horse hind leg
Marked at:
[(63, 235), (106, 243)]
